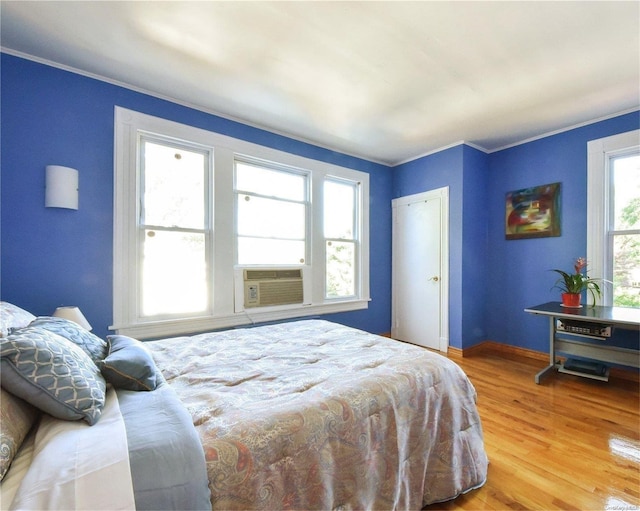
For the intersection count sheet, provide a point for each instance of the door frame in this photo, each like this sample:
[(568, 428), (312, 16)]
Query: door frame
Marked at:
[(443, 195)]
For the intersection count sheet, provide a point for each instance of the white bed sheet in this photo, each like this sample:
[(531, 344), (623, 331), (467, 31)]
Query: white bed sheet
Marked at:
[(71, 465)]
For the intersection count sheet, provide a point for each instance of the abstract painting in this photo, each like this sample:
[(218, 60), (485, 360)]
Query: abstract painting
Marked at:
[(533, 212)]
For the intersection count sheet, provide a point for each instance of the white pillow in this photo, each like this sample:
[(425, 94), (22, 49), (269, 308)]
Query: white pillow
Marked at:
[(12, 316)]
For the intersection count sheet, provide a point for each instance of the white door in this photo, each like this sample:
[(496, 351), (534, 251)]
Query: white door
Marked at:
[(420, 269)]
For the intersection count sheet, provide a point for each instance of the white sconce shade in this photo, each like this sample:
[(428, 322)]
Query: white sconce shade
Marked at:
[(61, 187), (74, 314)]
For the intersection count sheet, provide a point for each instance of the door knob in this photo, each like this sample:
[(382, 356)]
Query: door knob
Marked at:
[(435, 279)]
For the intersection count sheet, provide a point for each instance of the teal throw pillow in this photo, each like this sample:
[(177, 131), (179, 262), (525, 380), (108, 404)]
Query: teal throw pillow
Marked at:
[(129, 365)]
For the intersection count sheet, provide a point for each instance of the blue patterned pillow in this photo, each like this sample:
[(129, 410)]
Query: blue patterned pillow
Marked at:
[(95, 347), (52, 374)]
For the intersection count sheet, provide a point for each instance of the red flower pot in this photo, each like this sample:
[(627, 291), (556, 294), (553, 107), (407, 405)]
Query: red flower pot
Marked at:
[(571, 299)]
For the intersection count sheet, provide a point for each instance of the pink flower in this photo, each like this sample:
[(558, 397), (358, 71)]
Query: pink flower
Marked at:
[(581, 263)]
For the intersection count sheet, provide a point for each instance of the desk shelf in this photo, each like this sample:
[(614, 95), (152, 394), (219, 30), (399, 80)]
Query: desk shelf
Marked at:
[(563, 369), (599, 319)]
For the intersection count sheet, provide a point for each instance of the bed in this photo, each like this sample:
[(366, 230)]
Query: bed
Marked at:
[(301, 415), (316, 415)]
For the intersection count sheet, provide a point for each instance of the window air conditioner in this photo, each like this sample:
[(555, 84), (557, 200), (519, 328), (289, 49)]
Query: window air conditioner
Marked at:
[(267, 287)]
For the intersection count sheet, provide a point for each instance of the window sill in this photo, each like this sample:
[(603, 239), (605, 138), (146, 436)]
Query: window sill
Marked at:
[(179, 327)]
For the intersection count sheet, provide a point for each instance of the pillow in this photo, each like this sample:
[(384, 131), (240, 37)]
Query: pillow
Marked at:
[(52, 374), (12, 316), (129, 365), (95, 347), (16, 419)]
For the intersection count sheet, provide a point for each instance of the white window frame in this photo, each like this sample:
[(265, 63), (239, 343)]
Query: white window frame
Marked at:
[(206, 230), (599, 154), (278, 168), (225, 273), (357, 189)]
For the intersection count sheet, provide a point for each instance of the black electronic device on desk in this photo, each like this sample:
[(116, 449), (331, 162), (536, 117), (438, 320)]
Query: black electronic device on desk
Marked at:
[(588, 329)]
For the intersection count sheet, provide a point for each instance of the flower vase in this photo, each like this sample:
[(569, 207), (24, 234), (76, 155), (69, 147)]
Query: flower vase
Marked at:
[(571, 299)]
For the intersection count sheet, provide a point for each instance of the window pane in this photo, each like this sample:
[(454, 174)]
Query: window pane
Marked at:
[(340, 272), (270, 218), (270, 251), (626, 270), (272, 183), (174, 186), (174, 273), (339, 210), (626, 183)]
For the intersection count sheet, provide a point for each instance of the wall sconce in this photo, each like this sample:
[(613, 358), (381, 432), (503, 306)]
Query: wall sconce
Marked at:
[(61, 187), (74, 314)]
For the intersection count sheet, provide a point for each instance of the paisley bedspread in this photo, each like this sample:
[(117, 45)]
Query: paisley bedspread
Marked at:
[(316, 415)]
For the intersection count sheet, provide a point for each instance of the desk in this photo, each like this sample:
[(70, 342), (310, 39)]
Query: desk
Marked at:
[(567, 326)]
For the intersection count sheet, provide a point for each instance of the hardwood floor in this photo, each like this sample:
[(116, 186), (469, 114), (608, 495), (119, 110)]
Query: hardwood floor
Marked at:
[(569, 443)]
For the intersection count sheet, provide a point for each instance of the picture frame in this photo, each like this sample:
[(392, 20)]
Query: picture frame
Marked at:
[(533, 212)]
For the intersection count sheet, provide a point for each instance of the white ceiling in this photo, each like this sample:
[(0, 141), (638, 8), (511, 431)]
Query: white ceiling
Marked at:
[(387, 81)]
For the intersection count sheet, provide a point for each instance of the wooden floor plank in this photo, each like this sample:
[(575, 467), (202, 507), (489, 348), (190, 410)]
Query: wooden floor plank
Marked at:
[(568, 443)]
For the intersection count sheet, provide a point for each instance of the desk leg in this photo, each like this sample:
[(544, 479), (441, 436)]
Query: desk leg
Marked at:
[(552, 351), (544, 372)]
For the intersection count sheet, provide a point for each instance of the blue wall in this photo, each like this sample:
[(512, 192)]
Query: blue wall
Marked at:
[(475, 253), (493, 280), (51, 257), (518, 273)]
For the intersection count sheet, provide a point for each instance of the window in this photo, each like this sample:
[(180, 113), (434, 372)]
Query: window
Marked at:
[(340, 224), (613, 218), (271, 215), (194, 208), (174, 230)]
